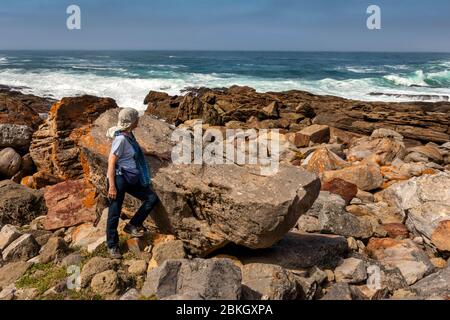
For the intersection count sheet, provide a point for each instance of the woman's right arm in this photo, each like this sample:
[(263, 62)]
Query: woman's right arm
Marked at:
[(112, 192)]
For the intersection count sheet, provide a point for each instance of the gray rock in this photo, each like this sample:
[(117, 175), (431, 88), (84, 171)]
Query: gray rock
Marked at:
[(8, 234), (210, 206), (343, 291), (10, 162), (168, 250), (211, 279), (94, 266), (351, 270), (184, 296), (72, 259), (12, 272), (424, 201), (53, 250), (297, 251), (23, 248), (327, 202), (15, 136), (434, 285), (268, 282), (19, 205), (332, 218), (7, 293), (131, 294)]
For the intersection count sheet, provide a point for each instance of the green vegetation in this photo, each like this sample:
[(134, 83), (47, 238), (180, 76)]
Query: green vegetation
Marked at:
[(42, 277)]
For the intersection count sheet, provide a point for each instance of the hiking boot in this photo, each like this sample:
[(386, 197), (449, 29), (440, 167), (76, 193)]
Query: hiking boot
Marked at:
[(133, 231), (114, 253)]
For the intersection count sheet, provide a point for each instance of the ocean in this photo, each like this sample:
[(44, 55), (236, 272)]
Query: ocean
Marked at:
[(127, 76)]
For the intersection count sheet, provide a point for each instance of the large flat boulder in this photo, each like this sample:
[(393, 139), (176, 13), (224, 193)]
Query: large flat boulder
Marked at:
[(212, 205)]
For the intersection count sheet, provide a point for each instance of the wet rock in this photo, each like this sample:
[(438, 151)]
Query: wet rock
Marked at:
[(211, 279)]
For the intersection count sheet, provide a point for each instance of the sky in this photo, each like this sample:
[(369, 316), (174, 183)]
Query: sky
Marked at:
[(275, 25)]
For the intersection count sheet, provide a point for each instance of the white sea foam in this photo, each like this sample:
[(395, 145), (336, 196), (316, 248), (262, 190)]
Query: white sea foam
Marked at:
[(415, 79), (130, 92)]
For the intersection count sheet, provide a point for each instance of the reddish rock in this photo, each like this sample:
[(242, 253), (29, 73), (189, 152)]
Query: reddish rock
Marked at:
[(342, 188), (69, 203), (396, 230), (22, 109), (366, 176), (418, 121), (412, 262), (441, 236), (54, 148), (315, 134), (324, 160)]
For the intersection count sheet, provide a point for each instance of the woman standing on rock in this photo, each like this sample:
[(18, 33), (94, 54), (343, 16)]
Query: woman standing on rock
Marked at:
[(127, 173)]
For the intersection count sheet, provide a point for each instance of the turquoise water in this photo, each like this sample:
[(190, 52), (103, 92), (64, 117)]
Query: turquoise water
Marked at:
[(127, 76)]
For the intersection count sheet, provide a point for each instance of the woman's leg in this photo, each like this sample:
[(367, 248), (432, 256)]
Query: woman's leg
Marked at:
[(149, 198), (115, 208)]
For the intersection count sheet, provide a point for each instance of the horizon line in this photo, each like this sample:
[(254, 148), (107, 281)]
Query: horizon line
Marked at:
[(232, 50)]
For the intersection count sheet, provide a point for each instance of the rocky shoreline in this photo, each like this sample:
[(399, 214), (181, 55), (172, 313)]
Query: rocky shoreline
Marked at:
[(359, 209)]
